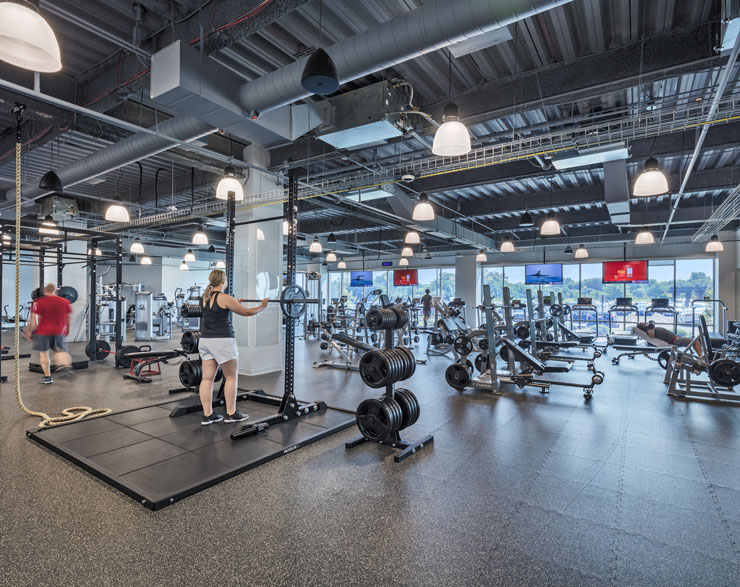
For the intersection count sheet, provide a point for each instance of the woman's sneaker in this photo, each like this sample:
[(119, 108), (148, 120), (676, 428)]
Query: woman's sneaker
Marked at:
[(236, 417), (214, 417), (46, 380)]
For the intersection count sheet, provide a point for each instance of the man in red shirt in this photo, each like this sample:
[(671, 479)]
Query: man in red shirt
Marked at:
[(48, 325)]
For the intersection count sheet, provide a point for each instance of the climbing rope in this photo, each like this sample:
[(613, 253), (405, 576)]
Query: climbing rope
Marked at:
[(69, 414)]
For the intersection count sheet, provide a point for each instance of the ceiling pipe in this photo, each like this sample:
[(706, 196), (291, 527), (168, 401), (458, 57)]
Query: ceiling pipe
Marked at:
[(722, 80), (433, 26)]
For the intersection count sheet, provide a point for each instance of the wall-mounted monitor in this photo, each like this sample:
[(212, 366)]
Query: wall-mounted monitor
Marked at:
[(406, 277), (543, 274), (361, 279), (625, 272)]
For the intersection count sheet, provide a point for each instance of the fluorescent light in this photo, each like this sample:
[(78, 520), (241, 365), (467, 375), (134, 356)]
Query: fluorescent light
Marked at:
[(412, 238), (331, 257), (229, 184), (407, 252), (146, 261), (481, 257), (200, 237), (341, 264), (184, 266), (592, 156), (550, 227), (220, 264), (423, 211), (714, 245), (136, 247), (651, 181), (644, 237), (117, 213), (452, 137), (260, 234), (403, 262), (286, 228), (315, 246), (27, 40), (507, 246), (189, 257), (581, 252)]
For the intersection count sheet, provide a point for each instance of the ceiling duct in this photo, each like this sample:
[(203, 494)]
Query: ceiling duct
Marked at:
[(433, 26), (617, 191)]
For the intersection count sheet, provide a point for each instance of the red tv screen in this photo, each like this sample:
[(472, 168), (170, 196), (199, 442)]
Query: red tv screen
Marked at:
[(625, 272), (405, 277)]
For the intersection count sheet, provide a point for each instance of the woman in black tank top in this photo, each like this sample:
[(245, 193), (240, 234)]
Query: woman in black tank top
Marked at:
[(217, 346)]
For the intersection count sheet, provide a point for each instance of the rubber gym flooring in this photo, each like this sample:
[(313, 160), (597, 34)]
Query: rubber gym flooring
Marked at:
[(633, 488)]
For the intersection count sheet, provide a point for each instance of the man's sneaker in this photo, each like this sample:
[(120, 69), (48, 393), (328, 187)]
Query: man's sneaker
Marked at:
[(65, 372), (46, 380), (236, 417), (214, 417)]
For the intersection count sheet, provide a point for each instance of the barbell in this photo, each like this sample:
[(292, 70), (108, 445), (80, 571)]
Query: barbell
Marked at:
[(293, 300)]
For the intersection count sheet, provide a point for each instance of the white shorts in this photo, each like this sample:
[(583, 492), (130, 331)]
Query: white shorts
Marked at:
[(222, 350)]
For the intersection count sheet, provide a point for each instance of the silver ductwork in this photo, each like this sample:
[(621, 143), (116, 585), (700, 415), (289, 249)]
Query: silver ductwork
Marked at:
[(431, 27), (129, 150)]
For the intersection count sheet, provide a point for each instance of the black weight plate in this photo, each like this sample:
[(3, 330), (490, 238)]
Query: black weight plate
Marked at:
[(190, 373), (479, 363), (101, 348), (463, 345), (191, 311), (469, 365), (457, 376), (725, 372), (189, 341), (556, 310), (411, 363), (374, 369), (395, 410), (483, 344), (374, 420), (68, 293), (522, 331), (324, 345), (292, 301), (663, 357), (406, 408), (415, 404), (503, 352), (122, 363)]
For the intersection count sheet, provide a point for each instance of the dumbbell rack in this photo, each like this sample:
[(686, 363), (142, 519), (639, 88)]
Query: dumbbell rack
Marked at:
[(408, 448)]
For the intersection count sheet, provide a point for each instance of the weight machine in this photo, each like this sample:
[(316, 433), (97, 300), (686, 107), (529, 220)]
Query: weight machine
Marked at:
[(153, 316), (718, 322)]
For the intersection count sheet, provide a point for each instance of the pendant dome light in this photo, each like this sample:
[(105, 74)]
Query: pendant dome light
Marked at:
[(27, 40), (146, 260), (6, 237), (184, 266), (136, 247), (412, 238), (644, 237), (550, 227), (341, 264), (568, 250), (320, 74), (211, 249), (200, 237), (507, 246), (229, 183), (260, 234), (48, 226), (98, 252), (286, 228), (331, 257), (189, 256), (651, 181), (452, 137), (423, 211), (581, 252), (526, 220), (404, 262), (315, 247), (117, 212), (481, 257), (220, 264), (407, 252), (50, 181), (331, 239), (427, 256), (714, 245)]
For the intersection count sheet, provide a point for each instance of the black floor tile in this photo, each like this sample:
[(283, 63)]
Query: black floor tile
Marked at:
[(105, 441), (136, 456)]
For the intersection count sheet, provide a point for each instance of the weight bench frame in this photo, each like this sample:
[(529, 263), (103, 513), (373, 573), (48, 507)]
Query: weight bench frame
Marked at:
[(143, 364)]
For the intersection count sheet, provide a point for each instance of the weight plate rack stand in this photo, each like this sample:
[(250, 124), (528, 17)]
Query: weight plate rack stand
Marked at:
[(408, 448)]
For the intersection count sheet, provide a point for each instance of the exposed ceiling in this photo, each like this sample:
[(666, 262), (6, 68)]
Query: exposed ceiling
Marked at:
[(590, 72)]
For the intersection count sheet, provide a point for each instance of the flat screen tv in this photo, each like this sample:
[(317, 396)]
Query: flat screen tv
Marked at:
[(406, 277), (361, 279), (545, 273), (625, 272)]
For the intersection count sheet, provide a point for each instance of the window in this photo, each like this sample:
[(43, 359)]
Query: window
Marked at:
[(569, 288), (694, 284), (447, 284), (428, 279), (335, 286), (380, 280), (494, 276), (660, 285)]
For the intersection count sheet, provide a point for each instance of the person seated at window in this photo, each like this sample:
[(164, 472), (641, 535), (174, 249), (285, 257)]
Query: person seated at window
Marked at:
[(668, 336)]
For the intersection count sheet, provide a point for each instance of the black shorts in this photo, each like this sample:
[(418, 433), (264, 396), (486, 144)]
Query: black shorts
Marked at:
[(44, 343)]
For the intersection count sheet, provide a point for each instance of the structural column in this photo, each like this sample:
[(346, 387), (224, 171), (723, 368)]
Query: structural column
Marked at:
[(467, 285)]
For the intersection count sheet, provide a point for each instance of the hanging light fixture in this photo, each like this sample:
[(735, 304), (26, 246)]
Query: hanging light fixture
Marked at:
[(526, 220), (412, 238), (581, 252), (229, 183), (27, 40), (48, 226), (286, 228), (404, 262), (332, 239), (6, 237), (136, 247), (320, 74), (200, 237), (423, 211), (331, 257), (184, 266), (98, 252), (407, 252), (481, 257), (132, 258), (146, 261), (452, 137), (117, 212), (550, 227), (189, 256), (341, 264), (427, 257), (507, 246), (315, 246), (260, 234), (568, 250), (211, 249), (714, 245), (220, 264), (644, 237), (651, 181), (50, 181)]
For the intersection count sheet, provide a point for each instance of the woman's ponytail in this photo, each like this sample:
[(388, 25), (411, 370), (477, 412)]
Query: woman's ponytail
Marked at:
[(216, 278)]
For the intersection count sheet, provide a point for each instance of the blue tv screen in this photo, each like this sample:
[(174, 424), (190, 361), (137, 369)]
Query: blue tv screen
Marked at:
[(545, 273), (361, 279)]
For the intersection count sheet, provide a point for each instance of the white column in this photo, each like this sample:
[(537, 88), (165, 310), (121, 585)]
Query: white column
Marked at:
[(75, 275), (258, 273), (467, 285)]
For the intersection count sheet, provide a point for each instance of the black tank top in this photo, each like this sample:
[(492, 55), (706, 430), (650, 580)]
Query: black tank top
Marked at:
[(216, 321)]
